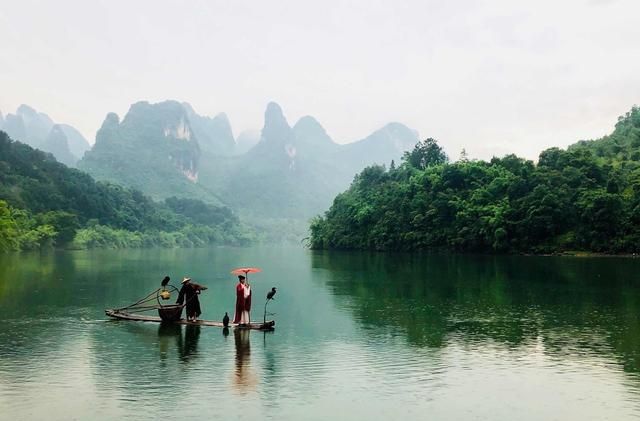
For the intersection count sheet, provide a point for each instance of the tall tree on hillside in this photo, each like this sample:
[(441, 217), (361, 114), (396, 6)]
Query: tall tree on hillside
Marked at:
[(425, 154)]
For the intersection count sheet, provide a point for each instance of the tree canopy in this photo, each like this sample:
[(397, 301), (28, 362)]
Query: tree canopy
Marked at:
[(583, 198)]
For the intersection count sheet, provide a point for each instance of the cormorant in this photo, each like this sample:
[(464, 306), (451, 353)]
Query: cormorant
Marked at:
[(225, 319), (165, 281), (271, 293)]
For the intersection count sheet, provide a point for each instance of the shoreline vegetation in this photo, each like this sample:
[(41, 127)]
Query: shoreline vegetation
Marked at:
[(44, 204), (581, 201)]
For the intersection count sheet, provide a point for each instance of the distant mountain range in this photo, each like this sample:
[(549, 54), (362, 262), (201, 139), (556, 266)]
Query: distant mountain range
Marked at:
[(282, 173), (167, 149), (294, 172), (38, 130)]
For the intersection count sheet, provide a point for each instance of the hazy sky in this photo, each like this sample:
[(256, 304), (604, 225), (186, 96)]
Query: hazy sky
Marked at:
[(490, 76)]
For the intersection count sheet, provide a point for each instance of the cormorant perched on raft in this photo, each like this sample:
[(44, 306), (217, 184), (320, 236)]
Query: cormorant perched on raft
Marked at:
[(165, 281), (225, 319), (271, 293)]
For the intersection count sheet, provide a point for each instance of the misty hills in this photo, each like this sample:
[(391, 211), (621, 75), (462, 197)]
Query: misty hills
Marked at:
[(38, 130), (153, 149), (294, 172), (214, 134), (167, 149)]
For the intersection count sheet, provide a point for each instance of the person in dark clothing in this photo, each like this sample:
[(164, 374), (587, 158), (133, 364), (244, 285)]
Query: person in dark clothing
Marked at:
[(189, 295)]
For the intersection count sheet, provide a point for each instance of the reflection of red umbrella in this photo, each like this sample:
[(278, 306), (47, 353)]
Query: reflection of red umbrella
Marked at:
[(245, 271)]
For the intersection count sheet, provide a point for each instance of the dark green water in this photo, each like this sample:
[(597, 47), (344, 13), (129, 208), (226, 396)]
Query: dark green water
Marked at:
[(359, 336)]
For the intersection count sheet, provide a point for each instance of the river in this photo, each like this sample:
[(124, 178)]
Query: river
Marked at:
[(359, 336)]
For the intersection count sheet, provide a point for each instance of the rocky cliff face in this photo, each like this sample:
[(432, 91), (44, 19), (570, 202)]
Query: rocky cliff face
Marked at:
[(277, 142), (154, 148), (160, 132)]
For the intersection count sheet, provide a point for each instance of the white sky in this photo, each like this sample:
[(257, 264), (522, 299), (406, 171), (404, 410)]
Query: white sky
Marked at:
[(490, 76)]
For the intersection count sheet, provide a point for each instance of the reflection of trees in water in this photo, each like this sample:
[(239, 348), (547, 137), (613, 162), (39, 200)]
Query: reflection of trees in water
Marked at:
[(59, 276), (29, 279), (573, 305)]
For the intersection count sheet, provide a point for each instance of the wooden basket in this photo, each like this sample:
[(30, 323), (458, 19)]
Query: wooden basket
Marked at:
[(170, 313)]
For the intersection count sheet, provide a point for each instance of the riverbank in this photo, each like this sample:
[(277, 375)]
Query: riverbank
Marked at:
[(578, 253)]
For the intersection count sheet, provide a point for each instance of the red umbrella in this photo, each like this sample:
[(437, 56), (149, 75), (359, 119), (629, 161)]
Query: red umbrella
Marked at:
[(245, 271), (240, 271)]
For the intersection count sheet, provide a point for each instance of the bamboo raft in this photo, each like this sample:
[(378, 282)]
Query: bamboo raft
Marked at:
[(124, 315)]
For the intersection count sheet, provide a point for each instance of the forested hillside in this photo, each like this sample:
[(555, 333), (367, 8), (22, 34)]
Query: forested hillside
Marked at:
[(44, 203), (584, 198)]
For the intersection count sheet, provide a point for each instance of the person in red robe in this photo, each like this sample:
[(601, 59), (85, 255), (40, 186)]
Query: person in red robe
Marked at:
[(243, 302)]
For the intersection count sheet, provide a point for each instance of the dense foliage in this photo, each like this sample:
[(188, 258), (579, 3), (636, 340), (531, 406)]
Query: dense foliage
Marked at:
[(42, 202), (584, 198)]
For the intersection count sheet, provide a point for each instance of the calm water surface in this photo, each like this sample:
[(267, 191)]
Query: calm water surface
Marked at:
[(359, 336)]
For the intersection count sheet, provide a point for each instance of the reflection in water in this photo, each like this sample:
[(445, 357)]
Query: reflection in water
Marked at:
[(168, 336), (570, 306), (359, 336), (270, 370), (189, 346), (244, 378), (171, 334)]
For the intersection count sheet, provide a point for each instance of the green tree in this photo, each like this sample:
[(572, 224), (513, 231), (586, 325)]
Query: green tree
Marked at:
[(425, 153)]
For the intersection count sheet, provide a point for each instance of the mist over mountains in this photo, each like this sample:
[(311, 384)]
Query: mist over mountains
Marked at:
[(276, 178), (168, 149), (38, 130)]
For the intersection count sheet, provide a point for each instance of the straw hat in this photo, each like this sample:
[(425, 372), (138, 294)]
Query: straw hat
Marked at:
[(185, 280)]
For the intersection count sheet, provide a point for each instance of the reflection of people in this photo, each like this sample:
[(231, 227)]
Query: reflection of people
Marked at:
[(244, 378), (189, 295), (190, 344), (187, 339), (167, 335), (243, 301)]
